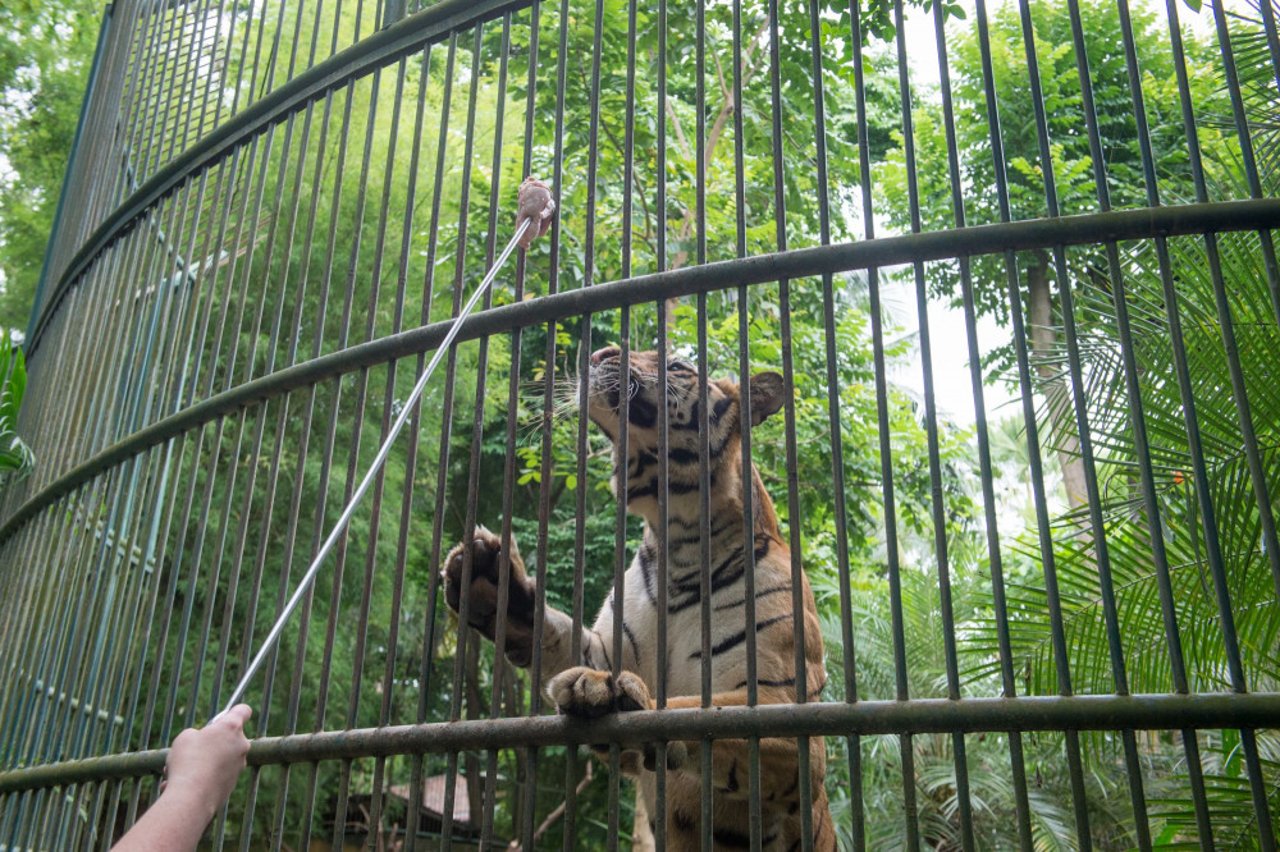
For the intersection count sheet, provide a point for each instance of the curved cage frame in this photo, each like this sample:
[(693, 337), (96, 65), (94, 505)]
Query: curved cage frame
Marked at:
[(181, 358)]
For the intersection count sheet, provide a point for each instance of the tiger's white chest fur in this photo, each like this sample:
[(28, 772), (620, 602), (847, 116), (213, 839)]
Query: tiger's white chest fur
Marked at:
[(724, 576)]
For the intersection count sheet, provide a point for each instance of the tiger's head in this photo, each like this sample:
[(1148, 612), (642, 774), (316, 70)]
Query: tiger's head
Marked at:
[(606, 382)]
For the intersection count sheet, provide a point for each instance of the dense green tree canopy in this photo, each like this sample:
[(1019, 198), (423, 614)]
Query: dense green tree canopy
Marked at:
[(45, 53)]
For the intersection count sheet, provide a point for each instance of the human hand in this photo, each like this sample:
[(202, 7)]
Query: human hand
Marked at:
[(204, 763), (199, 777), (537, 206)]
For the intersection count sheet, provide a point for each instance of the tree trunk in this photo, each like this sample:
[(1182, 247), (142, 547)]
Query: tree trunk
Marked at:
[(1044, 339)]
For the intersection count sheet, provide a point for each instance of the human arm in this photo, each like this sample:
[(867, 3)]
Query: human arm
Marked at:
[(202, 768)]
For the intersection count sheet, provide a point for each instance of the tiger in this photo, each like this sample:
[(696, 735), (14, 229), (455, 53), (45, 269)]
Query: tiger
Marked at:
[(585, 688)]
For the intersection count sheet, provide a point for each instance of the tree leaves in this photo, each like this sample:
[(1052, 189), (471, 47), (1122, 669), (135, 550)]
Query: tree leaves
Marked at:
[(16, 458)]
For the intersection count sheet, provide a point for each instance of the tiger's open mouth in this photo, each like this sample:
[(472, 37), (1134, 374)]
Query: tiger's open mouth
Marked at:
[(604, 389), (605, 385)]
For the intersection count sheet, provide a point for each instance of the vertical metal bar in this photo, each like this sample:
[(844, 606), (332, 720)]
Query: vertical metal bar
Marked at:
[(1190, 741), (1199, 470), (744, 424), (89, 669), (532, 755), (1271, 543), (931, 428), (160, 531), (191, 41), (388, 403), (304, 620), (1019, 339), (617, 600), (185, 107), (181, 399), (1250, 164), (886, 460), (235, 184), (446, 418), (282, 419), (1021, 805), (241, 537), (246, 511), (154, 62), (110, 699), (798, 581), (1260, 798), (132, 104), (69, 735), (1061, 658), (65, 542), (1166, 593), (658, 809), (388, 681), (358, 414), (473, 478), (499, 673), (575, 634), (160, 64), (42, 649), (21, 690), (319, 343)]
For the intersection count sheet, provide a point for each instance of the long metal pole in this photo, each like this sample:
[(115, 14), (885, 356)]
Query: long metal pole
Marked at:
[(309, 577)]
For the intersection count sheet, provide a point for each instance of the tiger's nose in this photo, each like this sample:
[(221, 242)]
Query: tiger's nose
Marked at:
[(607, 352)]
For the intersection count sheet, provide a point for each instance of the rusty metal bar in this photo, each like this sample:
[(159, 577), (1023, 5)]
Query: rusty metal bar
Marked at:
[(1141, 223), (918, 716)]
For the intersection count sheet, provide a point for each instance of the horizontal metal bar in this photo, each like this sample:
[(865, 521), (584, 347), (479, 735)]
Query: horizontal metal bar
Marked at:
[(1143, 223), (918, 716), (384, 47)]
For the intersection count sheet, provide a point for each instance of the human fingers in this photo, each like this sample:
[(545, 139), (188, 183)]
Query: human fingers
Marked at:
[(233, 719)]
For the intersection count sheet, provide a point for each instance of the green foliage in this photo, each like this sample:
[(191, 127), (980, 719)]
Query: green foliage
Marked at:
[(46, 49), (16, 458), (1069, 143)]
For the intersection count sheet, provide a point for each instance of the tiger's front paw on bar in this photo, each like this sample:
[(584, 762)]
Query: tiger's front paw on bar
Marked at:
[(589, 693)]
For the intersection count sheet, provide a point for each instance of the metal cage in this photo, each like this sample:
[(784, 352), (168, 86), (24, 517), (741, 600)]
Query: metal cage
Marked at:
[(1049, 608)]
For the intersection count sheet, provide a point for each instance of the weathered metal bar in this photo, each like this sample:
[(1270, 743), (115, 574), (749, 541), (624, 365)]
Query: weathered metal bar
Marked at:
[(938, 509), (1140, 223), (918, 716), (395, 42), (1018, 332)]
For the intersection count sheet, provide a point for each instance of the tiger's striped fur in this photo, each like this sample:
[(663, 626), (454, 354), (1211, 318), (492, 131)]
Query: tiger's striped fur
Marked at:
[(584, 686)]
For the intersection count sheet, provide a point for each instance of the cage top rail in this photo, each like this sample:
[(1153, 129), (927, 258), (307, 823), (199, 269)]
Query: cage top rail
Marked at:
[(917, 716), (364, 57), (1132, 224)]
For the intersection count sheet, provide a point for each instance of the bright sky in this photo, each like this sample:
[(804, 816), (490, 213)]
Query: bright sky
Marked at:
[(953, 390)]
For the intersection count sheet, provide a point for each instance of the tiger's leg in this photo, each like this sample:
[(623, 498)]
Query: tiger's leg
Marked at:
[(779, 756), (482, 603)]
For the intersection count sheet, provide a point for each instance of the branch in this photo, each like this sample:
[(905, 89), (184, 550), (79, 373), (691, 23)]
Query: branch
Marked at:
[(680, 137), (727, 108), (515, 846), (635, 176), (724, 90)]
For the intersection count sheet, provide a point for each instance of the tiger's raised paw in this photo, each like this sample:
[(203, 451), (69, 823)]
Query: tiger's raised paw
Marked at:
[(482, 593)]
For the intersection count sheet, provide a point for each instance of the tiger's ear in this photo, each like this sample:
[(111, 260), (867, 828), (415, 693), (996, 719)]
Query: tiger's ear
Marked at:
[(766, 396)]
